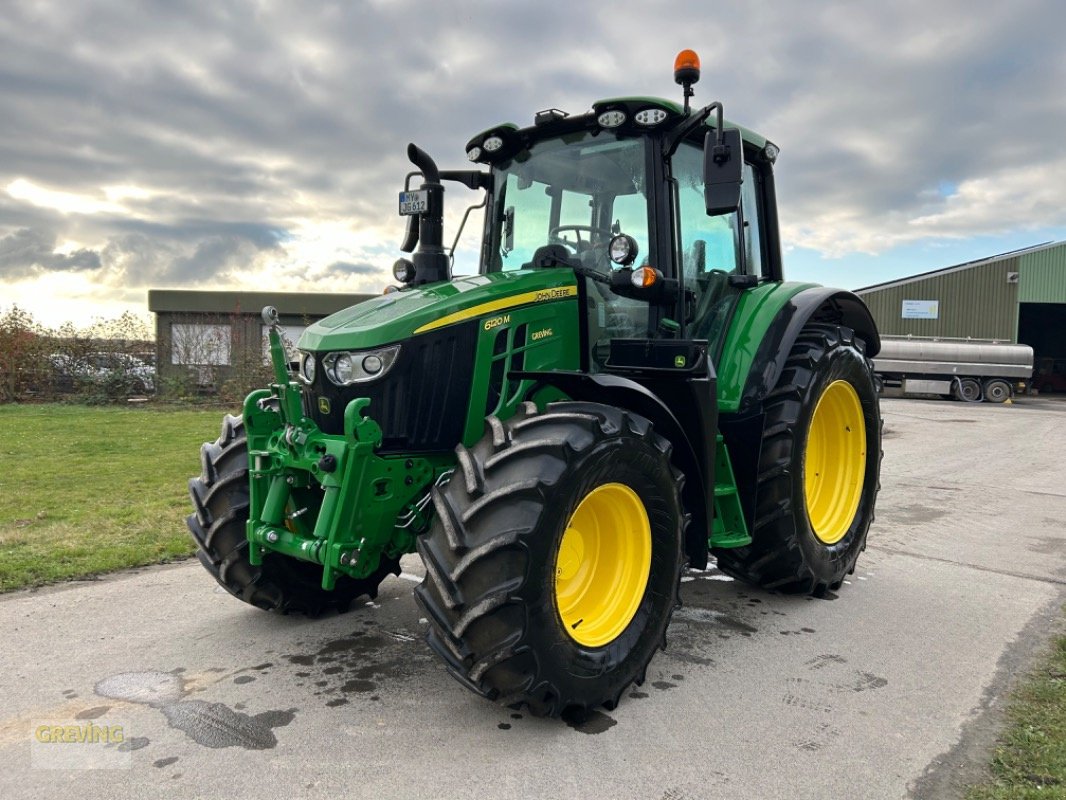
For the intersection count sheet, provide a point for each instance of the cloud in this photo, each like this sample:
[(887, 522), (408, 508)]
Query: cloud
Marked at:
[(348, 268), (27, 251), (190, 142)]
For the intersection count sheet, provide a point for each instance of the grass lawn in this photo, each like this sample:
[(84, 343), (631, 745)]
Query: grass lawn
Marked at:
[(1030, 761), (85, 490)]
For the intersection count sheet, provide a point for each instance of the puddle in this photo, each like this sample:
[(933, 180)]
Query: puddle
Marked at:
[(216, 725), (590, 722), (147, 688)]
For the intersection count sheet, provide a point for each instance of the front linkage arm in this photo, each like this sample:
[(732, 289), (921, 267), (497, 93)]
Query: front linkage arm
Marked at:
[(327, 499)]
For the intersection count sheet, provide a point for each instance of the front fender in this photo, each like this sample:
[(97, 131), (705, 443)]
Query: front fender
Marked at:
[(691, 431)]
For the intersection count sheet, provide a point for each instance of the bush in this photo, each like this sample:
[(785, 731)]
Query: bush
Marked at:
[(103, 363)]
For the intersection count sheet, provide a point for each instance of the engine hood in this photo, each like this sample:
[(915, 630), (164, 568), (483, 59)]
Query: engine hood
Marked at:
[(400, 315)]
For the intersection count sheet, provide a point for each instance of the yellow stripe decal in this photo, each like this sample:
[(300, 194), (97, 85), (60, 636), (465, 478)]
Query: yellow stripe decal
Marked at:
[(539, 296)]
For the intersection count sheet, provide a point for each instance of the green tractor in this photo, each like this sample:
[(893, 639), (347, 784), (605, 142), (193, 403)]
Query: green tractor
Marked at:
[(625, 387)]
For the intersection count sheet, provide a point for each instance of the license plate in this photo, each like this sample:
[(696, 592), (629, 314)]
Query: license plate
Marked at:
[(412, 203)]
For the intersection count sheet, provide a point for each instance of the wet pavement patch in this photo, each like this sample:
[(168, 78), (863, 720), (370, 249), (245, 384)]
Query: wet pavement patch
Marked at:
[(216, 725), (164, 762), (357, 664), (147, 688), (212, 725), (92, 713), (589, 721), (136, 743)]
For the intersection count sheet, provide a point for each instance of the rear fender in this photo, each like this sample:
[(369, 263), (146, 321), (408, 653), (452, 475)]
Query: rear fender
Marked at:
[(762, 335)]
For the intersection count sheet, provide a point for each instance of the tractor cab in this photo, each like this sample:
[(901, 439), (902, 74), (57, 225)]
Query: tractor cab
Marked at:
[(664, 215)]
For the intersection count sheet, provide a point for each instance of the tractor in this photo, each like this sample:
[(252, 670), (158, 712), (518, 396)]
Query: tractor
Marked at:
[(626, 386)]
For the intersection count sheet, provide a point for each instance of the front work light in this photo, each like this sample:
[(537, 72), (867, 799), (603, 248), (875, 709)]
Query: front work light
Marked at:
[(622, 249), (611, 119), (403, 270), (650, 116)]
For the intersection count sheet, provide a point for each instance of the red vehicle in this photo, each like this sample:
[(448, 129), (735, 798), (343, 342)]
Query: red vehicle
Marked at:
[(1050, 375)]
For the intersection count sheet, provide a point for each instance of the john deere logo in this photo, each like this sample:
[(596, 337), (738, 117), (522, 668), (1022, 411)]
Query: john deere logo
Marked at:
[(679, 361), (323, 405)]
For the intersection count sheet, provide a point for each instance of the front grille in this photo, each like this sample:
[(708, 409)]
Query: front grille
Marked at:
[(421, 403)]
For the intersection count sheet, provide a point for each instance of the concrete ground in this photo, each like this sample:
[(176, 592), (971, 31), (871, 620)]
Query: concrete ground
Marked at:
[(889, 689)]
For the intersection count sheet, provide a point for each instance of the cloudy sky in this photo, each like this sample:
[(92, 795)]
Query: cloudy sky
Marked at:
[(209, 144)]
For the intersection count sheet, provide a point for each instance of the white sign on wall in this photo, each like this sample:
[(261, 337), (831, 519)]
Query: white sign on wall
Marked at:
[(921, 309)]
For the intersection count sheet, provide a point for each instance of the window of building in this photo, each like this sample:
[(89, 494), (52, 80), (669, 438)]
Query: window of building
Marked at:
[(200, 345)]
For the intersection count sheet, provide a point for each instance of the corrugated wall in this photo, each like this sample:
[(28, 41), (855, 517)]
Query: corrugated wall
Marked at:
[(976, 301), (1043, 276)]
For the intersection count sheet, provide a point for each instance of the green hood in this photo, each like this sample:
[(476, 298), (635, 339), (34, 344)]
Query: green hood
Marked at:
[(400, 315)]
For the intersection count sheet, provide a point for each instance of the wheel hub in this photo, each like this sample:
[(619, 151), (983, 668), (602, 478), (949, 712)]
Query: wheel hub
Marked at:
[(601, 570), (834, 464)]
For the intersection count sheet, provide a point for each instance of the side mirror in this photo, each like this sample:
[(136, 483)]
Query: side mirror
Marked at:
[(723, 171)]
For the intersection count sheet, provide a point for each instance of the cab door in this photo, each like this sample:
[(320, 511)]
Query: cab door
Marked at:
[(719, 256)]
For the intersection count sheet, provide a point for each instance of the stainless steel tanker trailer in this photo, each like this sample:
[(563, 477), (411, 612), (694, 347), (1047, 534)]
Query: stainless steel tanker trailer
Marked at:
[(966, 369)]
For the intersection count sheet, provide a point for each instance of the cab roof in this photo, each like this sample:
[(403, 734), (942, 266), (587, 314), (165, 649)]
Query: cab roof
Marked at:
[(503, 141)]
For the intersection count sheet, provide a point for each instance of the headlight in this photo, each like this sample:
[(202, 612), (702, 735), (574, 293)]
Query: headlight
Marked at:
[(346, 368), (307, 368)]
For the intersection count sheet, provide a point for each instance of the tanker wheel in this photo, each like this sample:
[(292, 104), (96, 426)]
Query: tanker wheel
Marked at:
[(819, 466), (967, 389), (220, 502), (554, 559), (997, 391)]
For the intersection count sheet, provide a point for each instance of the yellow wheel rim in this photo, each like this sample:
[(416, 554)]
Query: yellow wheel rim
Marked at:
[(834, 464), (602, 567)]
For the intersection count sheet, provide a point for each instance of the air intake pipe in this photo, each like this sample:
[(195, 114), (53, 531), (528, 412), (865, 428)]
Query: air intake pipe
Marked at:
[(430, 261)]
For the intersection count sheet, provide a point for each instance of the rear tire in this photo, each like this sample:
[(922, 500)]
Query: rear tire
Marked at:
[(808, 534), (504, 568), (968, 390), (997, 391), (220, 499)]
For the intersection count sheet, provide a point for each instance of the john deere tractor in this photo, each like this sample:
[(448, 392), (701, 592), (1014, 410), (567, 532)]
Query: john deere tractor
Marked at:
[(626, 386)]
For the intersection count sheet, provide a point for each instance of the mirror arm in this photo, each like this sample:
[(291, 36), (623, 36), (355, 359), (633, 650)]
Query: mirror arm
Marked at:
[(674, 139), (470, 178)]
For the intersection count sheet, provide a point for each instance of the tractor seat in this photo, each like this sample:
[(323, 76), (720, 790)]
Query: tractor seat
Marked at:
[(549, 255)]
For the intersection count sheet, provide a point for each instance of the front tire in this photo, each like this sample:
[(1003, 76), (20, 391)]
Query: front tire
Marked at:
[(554, 559), (220, 502), (819, 468)]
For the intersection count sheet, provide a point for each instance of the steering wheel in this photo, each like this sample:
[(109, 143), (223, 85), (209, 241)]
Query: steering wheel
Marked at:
[(579, 246)]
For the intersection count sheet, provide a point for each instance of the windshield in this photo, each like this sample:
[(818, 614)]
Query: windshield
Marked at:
[(559, 204), (577, 191)]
